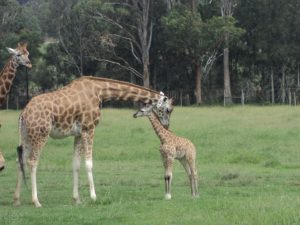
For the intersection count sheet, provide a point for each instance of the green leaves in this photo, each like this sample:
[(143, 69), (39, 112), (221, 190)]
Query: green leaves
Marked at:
[(187, 31)]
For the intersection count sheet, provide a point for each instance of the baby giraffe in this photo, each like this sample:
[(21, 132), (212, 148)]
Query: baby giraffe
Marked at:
[(172, 147)]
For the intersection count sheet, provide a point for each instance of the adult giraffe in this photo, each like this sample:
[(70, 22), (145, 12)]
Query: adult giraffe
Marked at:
[(74, 111), (8, 74)]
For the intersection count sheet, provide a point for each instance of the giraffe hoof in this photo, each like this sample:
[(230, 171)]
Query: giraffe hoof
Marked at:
[(77, 201), (196, 196), (94, 198), (17, 203), (168, 197), (37, 205)]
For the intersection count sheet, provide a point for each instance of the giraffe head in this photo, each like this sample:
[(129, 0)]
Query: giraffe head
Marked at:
[(164, 103), (20, 54), (163, 113)]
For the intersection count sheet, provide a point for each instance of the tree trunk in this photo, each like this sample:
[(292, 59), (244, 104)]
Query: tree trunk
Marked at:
[(27, 85), (226, 11), (227, 88), (283, 93), (193, 5), (298, 78), (146, 73), (198, 77), (272, 85), (170, 4), (144, 28)]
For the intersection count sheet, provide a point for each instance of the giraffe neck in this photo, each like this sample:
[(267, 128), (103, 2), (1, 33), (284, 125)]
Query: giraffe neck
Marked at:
[(107, 89), (161, 132), (7, 76)]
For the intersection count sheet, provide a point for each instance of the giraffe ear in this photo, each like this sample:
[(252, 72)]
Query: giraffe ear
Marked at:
[(12, 51), (22, 45)]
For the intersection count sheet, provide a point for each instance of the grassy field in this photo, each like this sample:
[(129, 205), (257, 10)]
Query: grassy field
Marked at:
[(248, 163)]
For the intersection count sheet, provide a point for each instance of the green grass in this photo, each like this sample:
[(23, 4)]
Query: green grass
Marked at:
[(248, 162)]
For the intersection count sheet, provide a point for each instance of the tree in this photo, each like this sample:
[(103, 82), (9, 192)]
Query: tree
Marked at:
[(197, 40), (133, 27), (271, 45), (227, 7)]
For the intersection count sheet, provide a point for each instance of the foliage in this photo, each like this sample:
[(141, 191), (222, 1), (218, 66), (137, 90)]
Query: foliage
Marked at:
[(70, 38)]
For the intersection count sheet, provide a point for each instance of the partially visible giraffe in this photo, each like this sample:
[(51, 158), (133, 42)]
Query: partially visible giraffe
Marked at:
[(2, 162), (74, 111), (7, 75), (172, 147)]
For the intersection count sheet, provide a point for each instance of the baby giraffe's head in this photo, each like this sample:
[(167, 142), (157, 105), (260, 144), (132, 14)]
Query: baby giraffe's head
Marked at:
[(162, 115)]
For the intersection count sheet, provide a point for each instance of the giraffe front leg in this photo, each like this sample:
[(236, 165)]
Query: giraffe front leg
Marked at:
[(76, 168), (168, 177)]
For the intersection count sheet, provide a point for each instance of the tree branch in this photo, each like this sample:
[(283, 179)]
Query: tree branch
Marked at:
[(128, 68), (111, 21), (134, 55), (150, 37), (73, 61)]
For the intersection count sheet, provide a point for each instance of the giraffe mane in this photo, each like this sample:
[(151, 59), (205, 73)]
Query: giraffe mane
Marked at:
[(121, 82), (6, 65)]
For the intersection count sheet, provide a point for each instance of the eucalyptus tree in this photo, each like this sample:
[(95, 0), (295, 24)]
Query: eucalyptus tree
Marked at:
[(227, 7), (271, 44), (132, 27), (197, 40)]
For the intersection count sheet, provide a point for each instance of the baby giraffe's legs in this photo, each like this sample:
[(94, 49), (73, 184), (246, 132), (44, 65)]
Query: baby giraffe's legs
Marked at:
[(168, 164), (190, 168), (194, 182)]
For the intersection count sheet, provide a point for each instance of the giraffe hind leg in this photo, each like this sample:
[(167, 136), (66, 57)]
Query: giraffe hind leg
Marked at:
[(20, 173), (194, 180), (76, 168), (32, 163), (195, 184), (35, 200), (87, 141), (191, 171), (18, 184)]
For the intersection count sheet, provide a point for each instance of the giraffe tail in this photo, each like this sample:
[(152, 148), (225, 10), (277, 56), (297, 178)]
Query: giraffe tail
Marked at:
[(20, 150), (21, 161)]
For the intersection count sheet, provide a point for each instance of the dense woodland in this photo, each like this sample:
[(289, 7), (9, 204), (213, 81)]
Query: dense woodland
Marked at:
[(198, 51)]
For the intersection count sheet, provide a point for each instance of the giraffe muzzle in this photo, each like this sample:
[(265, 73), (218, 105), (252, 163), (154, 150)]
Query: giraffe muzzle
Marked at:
[(28, 65)]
